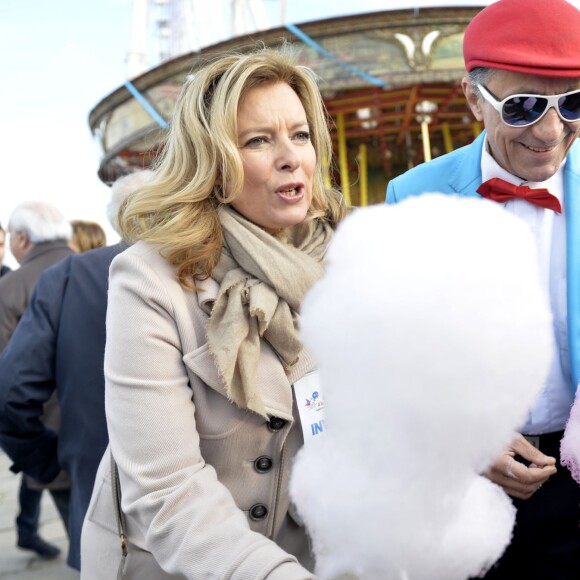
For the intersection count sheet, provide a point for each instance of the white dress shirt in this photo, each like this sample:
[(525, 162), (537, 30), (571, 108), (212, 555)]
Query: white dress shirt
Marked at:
[(551, 410)]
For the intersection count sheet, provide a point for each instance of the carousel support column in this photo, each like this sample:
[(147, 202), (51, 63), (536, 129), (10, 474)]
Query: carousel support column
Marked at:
[(447, 139), (426, 141), (342, 158), (386, 155), (364, 177), (425, 109)]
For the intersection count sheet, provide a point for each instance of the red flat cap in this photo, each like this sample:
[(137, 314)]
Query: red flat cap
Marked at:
[(538, 37)]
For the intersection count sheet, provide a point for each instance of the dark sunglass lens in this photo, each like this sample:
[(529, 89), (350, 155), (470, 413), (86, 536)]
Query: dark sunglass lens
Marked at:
[(570, 106), (523, 110)]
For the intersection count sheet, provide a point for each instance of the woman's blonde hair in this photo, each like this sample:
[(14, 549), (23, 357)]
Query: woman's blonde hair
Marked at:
[(177, 209)]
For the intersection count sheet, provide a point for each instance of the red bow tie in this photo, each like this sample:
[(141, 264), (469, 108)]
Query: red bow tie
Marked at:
[(500, 190)]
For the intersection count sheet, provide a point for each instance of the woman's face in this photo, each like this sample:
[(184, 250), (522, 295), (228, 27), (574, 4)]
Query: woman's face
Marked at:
[(277, 155)]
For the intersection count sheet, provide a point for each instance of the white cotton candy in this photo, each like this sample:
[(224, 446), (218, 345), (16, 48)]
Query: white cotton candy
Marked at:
[(433, 338)]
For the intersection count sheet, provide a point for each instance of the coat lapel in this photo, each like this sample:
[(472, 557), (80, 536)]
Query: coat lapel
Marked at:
[(465, 178), (572, 204)]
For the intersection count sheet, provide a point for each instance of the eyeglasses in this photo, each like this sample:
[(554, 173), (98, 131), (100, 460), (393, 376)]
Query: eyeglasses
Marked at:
[(525, 110)]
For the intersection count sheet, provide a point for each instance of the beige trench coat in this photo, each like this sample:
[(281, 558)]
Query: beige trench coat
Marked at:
[(204, 483)]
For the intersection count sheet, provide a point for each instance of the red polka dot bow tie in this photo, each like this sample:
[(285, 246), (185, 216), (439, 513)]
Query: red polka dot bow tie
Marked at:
[(501, 191)]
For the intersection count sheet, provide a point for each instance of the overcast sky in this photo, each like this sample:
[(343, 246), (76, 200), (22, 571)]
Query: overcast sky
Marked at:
[(59, 59)]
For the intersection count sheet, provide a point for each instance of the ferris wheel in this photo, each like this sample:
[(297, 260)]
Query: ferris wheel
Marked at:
[(164, 29)]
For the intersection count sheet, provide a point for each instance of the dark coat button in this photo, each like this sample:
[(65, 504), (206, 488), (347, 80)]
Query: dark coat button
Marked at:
[(275, 423), (258, 512), (263, 464)]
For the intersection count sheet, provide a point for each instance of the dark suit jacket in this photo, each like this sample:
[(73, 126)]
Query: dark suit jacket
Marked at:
[(16, 289), (59, 344)]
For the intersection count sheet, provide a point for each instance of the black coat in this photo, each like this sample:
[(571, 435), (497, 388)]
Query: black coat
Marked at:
[(59, 344)]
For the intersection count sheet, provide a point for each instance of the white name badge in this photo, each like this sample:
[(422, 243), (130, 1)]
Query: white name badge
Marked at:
[(310, 403)]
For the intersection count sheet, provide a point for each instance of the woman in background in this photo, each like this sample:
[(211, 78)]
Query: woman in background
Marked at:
[(87, 236), (202, 342)]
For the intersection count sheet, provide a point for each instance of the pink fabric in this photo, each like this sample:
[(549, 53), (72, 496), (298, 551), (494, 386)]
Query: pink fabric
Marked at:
[(570, 446)]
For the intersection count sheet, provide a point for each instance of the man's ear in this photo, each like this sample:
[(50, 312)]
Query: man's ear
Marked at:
[(23, 241), (472, 99)]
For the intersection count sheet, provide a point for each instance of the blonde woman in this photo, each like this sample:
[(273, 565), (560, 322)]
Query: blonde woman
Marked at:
[(202, 348)]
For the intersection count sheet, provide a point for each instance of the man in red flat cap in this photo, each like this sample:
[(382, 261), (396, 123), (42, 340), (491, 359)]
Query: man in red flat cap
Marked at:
[(523, 83)]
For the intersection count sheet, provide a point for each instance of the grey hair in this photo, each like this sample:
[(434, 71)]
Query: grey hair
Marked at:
[(40, 221), (479, 76), (120, 190)]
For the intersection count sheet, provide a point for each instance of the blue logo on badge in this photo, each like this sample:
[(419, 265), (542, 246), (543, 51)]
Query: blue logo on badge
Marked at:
[(315, 403)]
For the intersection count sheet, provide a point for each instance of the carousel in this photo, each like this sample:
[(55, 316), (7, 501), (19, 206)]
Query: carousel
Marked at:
[(391, 82)]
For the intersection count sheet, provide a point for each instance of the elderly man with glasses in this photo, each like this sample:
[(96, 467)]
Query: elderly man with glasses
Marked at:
[(523, 83)]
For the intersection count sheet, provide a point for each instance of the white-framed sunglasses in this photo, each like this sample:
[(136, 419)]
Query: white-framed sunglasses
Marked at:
[(524, 110)]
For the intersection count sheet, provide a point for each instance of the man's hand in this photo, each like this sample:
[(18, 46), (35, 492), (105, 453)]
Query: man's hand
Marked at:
[(517, 479)]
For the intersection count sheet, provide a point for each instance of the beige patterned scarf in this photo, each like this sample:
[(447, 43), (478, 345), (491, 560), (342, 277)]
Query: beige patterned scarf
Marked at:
[(263, 280)]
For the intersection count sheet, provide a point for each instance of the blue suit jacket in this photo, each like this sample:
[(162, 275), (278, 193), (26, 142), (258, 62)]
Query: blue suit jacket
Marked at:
[(59, 344), (459, 173)]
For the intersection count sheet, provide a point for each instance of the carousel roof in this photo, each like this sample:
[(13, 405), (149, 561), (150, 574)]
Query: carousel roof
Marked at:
[(374, 69)]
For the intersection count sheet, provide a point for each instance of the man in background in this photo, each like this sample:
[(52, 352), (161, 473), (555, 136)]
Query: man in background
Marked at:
[(39, 236), (3, 269), (59, 346)]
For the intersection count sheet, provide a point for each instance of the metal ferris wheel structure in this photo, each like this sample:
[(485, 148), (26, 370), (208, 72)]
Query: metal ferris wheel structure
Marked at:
[(165, 29)]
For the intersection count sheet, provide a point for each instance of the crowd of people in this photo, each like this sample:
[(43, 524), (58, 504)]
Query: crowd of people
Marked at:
[(149, 385)]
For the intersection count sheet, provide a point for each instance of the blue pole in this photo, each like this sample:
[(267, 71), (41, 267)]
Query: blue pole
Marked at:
[(146, 105), (311, 42)]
